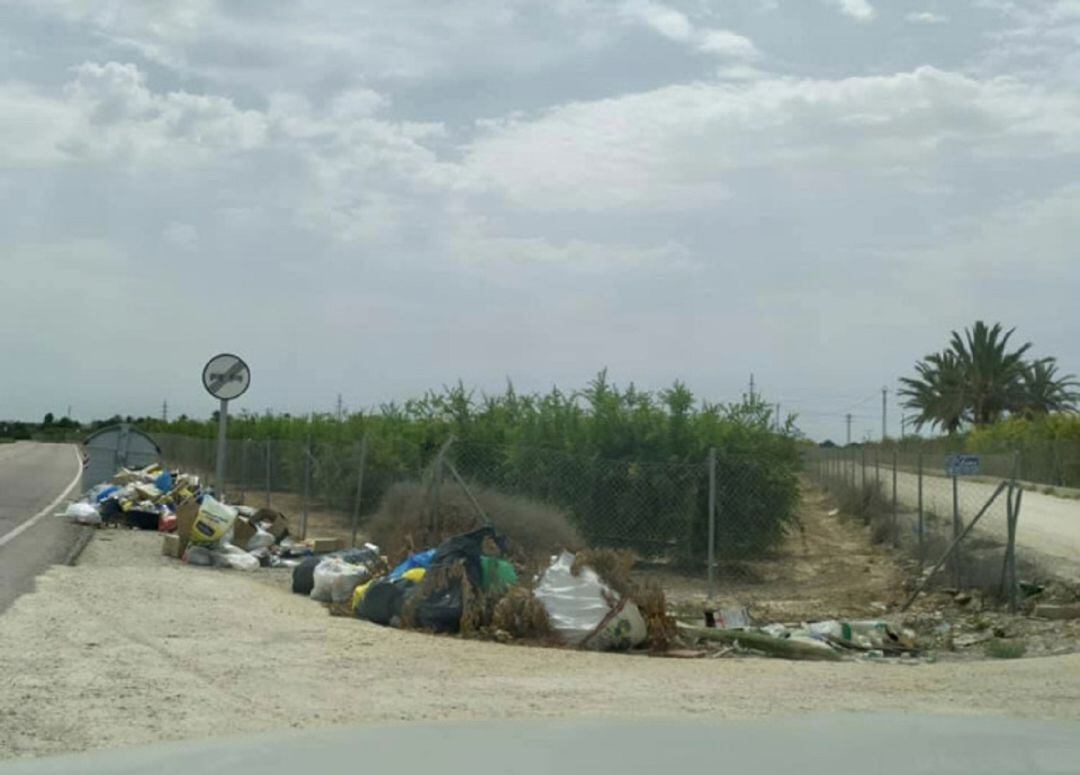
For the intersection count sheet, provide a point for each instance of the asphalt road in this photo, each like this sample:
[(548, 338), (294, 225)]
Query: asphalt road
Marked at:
[(807, 745), (33, 477)]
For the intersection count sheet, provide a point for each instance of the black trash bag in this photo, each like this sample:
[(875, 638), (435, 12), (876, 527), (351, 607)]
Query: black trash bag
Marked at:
[(303, 575), (441, 611), (110, 510), (142, 520), (385, 600), (468, 548)]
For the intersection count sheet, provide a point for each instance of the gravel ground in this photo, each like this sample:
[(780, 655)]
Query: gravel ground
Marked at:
[(131, 648)]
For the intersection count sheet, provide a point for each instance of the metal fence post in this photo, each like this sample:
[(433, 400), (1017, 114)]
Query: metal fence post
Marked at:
[(957, 528), (268, 459), (359, 488), (307, 488), (244, 472), (1014, 588), (712, 522), (864, 472), (895, 513), (922, 525), (436, 484), (1008, 576)]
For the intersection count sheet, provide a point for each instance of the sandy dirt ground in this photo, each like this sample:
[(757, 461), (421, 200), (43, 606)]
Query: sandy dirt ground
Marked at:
[(131, 648)]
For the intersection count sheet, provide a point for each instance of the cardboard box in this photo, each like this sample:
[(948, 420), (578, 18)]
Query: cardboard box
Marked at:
[(242, 532), (170, 546), (325, 545), (186, 513), (275, 522)]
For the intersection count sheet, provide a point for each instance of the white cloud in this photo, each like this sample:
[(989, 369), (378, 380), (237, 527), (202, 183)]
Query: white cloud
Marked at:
[(860, 10), (677, 146), (117, 117), (727, 43), (926, 17), (667, 21), (300, 44), (676, 26), (349, 171)]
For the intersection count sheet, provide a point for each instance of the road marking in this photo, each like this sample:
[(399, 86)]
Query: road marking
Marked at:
[(48, 509)]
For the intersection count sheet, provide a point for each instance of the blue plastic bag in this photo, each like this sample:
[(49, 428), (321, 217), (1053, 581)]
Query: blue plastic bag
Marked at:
[(164, 482), (418, 560), (107, 492)]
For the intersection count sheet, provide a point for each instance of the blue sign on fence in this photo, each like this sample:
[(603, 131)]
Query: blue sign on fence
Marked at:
[(962, 465)]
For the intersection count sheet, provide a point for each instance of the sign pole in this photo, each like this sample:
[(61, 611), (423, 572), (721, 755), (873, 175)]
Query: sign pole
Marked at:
[(225, 377), (223, 421)]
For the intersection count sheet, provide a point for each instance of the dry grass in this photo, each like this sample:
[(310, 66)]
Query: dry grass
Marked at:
[(521, 615), (403, 521)]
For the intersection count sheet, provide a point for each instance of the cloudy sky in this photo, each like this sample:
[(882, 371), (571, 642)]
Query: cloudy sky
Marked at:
[(373, 198)]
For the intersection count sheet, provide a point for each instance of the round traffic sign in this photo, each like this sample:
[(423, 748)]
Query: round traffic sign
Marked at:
[(226, 377)]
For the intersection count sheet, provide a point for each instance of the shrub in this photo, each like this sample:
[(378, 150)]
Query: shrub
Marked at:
[(1005, 649), (402, 523)]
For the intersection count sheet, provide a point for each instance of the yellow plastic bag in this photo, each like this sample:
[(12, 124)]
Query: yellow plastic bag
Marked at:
[(358, 596), (415, 575)]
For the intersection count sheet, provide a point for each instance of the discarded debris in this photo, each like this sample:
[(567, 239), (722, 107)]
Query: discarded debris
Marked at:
[(816, 640)]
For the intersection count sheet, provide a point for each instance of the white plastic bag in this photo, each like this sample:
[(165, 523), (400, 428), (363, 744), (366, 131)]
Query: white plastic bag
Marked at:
[(261, 540), (229, 556), (343, 585), (328, 572), (83, 513), (579, 610)]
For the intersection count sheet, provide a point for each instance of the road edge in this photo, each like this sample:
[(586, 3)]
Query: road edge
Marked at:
[(20, 529), (86, 535)]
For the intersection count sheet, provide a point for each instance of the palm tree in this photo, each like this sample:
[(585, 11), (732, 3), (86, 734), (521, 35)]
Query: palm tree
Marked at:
[(978, 378), (938, 394), (1042, 390), (991, 372)]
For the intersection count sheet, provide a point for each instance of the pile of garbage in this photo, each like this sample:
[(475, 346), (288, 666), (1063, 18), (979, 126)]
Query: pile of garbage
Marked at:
[(198, 528), (466, 585), (823, 640), (146, 499)]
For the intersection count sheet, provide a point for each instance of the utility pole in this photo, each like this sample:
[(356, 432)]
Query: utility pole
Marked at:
[(339, 409), (68, 415), (884, 405), (778, 418), (751, 388), (848, 418), (165, 410)]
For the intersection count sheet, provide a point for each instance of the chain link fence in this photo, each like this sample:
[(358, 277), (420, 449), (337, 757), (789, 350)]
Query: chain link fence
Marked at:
[(910, 501), (706, 518)]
